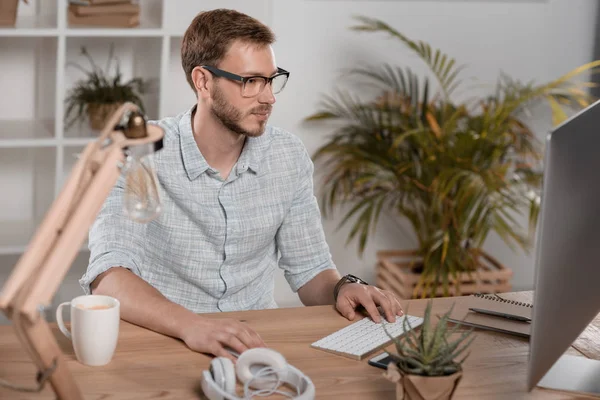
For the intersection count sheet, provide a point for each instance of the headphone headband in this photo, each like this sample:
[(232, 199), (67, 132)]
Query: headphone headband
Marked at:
[(222, 384)]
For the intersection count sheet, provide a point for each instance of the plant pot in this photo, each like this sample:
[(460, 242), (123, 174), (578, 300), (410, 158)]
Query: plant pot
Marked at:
[(417, 387), (98, 113), (397, 271), (8, 12)]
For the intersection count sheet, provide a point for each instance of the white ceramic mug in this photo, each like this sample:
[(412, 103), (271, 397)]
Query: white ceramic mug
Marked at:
[(94, 327)]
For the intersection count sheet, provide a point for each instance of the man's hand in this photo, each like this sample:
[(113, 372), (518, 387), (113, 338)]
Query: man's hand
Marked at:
[(214, 336), (352, 295)]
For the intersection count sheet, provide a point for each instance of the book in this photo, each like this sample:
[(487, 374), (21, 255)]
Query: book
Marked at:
[(120, 9), (112, 20), (462, 315), (96, 2)]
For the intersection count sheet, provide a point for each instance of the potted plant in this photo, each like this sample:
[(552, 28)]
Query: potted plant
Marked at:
[(456, 170), (8, 12), (101, 93), (427, 364)]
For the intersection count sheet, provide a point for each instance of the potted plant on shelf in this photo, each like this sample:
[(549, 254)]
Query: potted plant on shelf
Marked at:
[(455, 170), (101, 93), (426, 365)]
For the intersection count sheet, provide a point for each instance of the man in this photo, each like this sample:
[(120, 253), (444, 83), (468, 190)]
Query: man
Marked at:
[(237, 202)]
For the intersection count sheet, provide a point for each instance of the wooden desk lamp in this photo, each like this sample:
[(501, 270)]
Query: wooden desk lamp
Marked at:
[(40, 270)]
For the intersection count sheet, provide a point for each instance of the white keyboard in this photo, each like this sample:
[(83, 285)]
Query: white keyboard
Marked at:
[(364, 337)]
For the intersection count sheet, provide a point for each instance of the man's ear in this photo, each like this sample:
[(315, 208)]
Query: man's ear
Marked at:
[(202, 81)]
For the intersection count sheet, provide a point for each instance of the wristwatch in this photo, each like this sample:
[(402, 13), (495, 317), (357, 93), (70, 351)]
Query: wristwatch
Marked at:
[(349, 278)]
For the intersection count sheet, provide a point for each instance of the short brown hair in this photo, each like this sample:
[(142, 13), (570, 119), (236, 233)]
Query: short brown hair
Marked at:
[(210, 34)]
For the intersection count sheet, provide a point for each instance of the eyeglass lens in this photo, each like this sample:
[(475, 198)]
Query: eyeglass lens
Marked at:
[(254, 86)]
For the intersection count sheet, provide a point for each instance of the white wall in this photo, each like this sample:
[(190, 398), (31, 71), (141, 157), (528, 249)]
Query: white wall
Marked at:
[(530, 40)]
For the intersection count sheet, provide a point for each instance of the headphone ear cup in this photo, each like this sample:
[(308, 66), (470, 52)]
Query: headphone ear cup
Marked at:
[(223, 374), (252, 360)]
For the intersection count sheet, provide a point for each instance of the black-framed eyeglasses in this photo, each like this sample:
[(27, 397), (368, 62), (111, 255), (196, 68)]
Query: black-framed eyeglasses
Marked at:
[(254, 85)]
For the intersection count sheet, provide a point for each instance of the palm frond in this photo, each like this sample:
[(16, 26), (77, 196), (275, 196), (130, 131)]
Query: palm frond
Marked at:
[(443, 66)]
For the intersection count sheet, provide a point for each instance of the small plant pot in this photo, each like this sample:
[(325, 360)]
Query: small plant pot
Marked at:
[(98, 113), (417, 387), (8, 12)]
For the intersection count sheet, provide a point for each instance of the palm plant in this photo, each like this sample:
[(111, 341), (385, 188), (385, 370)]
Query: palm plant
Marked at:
[(456, 170)]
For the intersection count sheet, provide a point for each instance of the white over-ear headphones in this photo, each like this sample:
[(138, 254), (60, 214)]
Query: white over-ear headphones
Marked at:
[(259, 368)]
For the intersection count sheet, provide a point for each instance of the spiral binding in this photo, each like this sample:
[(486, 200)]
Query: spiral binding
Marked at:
[(495, 297)]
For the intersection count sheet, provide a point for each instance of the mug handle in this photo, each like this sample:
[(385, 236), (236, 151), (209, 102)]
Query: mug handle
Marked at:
[(59, 319)]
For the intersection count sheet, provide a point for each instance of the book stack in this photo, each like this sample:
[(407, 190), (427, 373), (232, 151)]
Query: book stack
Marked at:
[(104, 13)]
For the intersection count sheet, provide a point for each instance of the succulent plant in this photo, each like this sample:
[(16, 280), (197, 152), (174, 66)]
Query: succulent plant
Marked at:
[(430, 351)]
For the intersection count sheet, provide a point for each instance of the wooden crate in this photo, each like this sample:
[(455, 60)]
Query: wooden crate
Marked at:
[(395, 273)]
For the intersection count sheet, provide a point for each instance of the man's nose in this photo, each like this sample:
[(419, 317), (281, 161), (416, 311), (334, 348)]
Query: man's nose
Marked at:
[(267, 96)]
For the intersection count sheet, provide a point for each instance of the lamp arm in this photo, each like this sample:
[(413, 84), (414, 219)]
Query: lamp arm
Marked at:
[(41, 269)]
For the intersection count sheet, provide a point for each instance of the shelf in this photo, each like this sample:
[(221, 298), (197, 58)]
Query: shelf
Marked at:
[(80, 134), (78, 142), (36, 18), (27, 179), (147, 28), (16, 235), (26, 133), (31, 25), (28, 82), (70, 158), (36, 72)]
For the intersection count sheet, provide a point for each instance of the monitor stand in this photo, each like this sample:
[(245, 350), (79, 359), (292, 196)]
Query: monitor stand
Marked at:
[(573, 374)]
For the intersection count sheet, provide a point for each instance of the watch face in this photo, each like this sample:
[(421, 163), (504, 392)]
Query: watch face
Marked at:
[(354, 279)]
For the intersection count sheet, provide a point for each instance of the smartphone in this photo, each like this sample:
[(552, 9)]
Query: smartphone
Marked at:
[(381, 361)]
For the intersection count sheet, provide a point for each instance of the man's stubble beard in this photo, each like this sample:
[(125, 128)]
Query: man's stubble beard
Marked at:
[(230, 116)]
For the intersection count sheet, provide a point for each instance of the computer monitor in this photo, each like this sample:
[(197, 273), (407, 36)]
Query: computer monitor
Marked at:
[(567, 270)]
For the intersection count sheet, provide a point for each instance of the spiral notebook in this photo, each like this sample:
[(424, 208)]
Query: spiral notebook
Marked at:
[(491, 302)]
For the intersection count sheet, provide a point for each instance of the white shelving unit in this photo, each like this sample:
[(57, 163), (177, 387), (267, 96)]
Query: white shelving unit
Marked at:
[(36, 56)]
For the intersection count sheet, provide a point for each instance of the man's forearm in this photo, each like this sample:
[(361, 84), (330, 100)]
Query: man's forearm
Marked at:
[(142, 304), (319, 290)]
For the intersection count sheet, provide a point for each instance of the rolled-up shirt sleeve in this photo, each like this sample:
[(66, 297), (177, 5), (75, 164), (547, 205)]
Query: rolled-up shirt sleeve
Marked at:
[(304, 252), (114, 239)]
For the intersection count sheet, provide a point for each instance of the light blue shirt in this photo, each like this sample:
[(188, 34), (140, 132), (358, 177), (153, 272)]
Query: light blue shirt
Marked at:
[(217, 243)]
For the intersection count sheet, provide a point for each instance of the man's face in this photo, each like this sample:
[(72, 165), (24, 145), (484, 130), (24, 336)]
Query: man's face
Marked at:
[(244, 115)]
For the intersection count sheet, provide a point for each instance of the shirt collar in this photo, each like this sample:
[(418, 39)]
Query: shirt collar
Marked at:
[(254, 151), (194, 162)]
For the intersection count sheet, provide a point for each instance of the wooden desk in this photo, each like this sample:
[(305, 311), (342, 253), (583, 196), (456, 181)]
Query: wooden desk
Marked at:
[(148, 365)]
